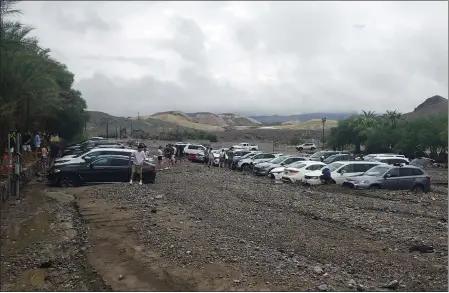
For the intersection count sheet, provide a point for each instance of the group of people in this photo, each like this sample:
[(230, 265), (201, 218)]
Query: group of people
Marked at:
[(35, 145), (225, 157), (169, 156)]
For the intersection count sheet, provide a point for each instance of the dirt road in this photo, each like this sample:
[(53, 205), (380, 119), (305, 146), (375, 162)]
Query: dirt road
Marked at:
[(213, 229)]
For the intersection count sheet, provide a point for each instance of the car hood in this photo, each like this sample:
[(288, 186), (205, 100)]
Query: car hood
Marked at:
[(313, 173), (65, 157), (278, 169), (69, 161)]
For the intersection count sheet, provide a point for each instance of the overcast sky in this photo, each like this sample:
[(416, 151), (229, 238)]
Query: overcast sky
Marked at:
[(248, 57)]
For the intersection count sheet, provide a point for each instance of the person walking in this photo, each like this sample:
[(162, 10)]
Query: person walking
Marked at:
[(222, 158), (26, 143), (211, 158), (138, 158), (206, 157), (230, 158), (173, 155)]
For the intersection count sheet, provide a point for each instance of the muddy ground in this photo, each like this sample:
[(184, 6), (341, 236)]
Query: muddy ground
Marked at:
[(213, 229)]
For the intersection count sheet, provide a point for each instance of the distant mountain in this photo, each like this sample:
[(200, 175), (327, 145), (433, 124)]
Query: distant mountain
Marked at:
[(301, 117), (431, 106)]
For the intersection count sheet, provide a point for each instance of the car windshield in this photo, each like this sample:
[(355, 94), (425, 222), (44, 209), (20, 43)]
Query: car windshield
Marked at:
[(247, 156), (317, 155), (377, 171), (79, 155), (331, 158), (297, 165), (278, 160), (259, 156), (333, 166)]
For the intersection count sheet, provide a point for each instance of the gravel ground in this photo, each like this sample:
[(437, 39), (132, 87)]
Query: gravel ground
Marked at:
[(288, 237)]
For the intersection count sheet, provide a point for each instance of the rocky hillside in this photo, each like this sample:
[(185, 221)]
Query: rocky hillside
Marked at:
[(276, 119), (205, 120), (431, 106)]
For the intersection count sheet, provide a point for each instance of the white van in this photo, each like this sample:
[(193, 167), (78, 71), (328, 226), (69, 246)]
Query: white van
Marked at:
[(339, 171)]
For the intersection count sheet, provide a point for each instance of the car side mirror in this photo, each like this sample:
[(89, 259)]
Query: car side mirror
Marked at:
[(387, 176), (342, 171), (87, 158), (91, 166)]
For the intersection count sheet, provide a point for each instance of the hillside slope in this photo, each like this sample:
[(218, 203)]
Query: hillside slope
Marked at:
[(98, 120), (302, 117), (205, 120), (431, 106)]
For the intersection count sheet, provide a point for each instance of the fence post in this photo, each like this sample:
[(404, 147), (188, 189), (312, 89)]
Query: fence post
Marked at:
[(17, 167)]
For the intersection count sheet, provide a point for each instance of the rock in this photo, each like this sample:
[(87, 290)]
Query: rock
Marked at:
[(159, 196), (318, 269), (188, 252), (361, 287), (323, 287), (236, 281), (242, 241), (121, 277), (172, 246), (153, 210), (352, 283), (392, 285)]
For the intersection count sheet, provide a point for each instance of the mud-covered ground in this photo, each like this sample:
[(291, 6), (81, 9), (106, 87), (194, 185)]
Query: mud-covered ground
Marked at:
[(213, 229)]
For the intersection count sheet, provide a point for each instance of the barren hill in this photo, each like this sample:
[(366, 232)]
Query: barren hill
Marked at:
[(431, 106), (98, 121), (205, 120)]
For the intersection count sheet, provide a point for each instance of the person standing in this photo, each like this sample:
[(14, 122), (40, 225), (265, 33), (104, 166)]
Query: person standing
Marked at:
[(160, 156), (138, 158), (37, 144), (173, 156), (26, 142), (44, 159), (206, 156), (230, 158), (222, 158), (211, 158)]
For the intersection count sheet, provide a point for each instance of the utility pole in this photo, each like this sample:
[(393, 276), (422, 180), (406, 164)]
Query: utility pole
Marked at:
[(116, 132), (323, 120), (107, 129)]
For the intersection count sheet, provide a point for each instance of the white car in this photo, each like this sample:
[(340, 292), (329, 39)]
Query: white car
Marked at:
[(308, 146), (266, 167), (246, 162), (370, 157), (194, 149), (392, 160), (245, 146), (295, 172), (90, 155), (340, 171)]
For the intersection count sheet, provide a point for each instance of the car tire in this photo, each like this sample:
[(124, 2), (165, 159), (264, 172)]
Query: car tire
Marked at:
[(375, 186), (246, 167), (418, 189), (312, 149), (69, 181), (254, 149), (299, 149)]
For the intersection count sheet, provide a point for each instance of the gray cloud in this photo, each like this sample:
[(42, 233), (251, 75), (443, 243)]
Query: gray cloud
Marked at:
[(248, 57)]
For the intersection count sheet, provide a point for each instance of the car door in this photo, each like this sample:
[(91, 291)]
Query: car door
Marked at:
[(343, 172), (96, 171), (120, 170), (392, 181), (406, 180)]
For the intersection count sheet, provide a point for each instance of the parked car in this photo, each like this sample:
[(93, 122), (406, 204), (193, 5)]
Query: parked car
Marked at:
[(72, 151), (338, 157), (295, 172), (399, 177), (391, 160), (422, 162), (340, 171), (103, 169), (308, 146), (370, 157), (197, 157), (90, 155), (265, 168), (264, 157), (277, 172), (194, 149), (322, 155), (245, 146), (236, 159)]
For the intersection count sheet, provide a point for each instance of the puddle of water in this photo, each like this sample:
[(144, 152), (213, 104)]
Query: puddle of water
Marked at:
[(28, 232), (31, 279)]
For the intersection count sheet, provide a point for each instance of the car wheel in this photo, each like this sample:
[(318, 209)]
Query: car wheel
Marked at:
[(418, 189), (254, 149), (312, 149), (68, 181), (246, 167), (299, 149), (374, 187)]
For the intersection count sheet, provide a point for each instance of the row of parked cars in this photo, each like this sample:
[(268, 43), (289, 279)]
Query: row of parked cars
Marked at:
[(97, 160), (374, 171)]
